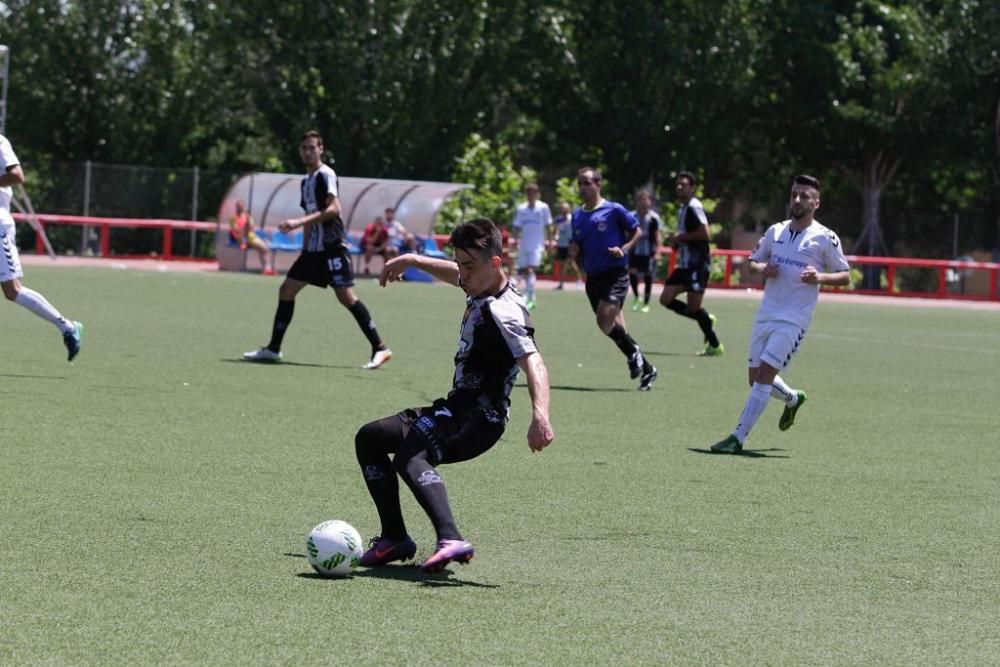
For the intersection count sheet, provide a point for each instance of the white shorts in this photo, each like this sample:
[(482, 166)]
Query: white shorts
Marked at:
[(10, 261), (774, 343), (529, 257)]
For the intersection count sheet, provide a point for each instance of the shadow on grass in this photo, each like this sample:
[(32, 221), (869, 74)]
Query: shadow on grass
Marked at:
[(409, 573), (287, 363), (746, 453), (413, 574), (646, 353), (557, 387), (33, 377)]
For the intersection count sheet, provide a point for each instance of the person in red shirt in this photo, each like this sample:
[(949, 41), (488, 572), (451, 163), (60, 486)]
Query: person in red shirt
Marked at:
[(375, 241)]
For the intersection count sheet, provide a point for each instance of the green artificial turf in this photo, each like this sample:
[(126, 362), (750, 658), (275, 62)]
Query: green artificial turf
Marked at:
[(156, 494)]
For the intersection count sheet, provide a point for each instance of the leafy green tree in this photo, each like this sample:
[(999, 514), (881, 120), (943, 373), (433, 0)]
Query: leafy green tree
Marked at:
[(651, 87), (489, 167)]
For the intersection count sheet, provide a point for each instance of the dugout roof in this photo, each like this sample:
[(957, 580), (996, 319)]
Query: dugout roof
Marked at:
[(271, 198)]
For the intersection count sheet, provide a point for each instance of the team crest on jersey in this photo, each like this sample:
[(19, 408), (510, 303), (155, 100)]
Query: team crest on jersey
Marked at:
[(809, 248)]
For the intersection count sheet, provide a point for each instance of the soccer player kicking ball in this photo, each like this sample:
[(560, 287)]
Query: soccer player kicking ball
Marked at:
[(788, 256), (497, 338)]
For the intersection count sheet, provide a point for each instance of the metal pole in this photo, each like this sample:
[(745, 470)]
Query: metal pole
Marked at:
[(85, 241), (194, 208), (4, 70), (954, 244)]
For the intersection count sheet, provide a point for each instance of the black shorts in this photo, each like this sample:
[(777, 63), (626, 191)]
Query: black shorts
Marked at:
[(641, 263), (611, 286), (323, 269), (693, 280), (562, 254), (450, 437)]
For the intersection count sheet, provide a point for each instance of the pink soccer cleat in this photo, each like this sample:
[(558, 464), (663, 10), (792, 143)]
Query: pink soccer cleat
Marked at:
[(447, 551)]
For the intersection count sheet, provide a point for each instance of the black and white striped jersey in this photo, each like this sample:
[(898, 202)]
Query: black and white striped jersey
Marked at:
[(693, 254), (316, 188), (496, 332)]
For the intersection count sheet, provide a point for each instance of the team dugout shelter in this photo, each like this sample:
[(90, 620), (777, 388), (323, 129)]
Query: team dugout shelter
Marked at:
[(271, 198)]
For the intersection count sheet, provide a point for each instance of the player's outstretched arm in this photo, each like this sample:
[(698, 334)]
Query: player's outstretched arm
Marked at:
[(540, 433), (442, 269)]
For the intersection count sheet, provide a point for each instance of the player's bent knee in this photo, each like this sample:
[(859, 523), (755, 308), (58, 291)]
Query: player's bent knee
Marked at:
[(366, 437)]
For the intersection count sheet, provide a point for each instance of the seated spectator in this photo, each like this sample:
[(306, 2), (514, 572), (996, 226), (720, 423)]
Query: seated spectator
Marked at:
[(375, 241), (241, 231), (399, 237)]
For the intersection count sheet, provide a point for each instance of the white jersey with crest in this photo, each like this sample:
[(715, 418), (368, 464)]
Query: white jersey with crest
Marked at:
[(786, 297)]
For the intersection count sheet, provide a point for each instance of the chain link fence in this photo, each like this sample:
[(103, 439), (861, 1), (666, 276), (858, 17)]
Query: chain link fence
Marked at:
[(125, 191)]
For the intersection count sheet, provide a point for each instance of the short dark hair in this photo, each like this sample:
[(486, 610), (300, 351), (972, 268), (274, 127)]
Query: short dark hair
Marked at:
[(312, 134), (692, 179), (805, 179), (595, 173), (479, 235)]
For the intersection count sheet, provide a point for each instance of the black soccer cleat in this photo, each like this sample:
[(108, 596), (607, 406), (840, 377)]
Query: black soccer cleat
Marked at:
[(648, 378), (635, 364)]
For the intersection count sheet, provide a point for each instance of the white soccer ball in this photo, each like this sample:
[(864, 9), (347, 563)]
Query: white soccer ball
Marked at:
[(333, 548)]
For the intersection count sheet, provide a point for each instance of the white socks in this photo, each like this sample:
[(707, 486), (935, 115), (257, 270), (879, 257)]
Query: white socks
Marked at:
[(783, 392), (37, 304), (529, 286), (754, 408)]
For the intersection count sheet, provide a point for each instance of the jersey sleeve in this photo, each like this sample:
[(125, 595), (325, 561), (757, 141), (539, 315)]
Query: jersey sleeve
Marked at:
[(330, 180), (834, 259), (627, 221), (695, 216), (7, 157), (512, 320), (762, 253), (546, 214)]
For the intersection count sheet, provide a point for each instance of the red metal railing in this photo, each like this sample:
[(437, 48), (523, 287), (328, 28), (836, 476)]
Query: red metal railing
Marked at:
[(105, 225), (733, 259), (945, 270), (942, 267)]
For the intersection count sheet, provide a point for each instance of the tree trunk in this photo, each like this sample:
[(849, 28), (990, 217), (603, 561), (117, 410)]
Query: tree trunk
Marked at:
[(876, 176)]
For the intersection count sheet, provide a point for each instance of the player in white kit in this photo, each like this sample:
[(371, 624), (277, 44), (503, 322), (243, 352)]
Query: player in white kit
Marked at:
[(795, 256), (11, 174), (532, 225)]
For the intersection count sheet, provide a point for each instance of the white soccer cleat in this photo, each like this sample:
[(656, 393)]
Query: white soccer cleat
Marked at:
[(379, 358), (263, 354)]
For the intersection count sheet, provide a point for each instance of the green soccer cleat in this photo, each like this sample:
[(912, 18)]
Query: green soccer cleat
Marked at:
[(788, 414), (710, 351), (728, 446), (714, 321), (636, 305), (644, 309)]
